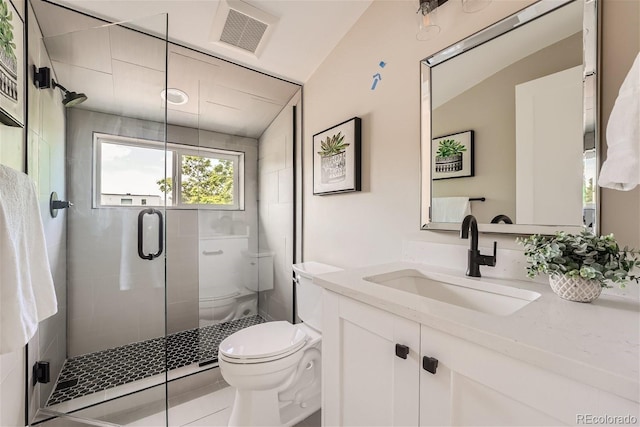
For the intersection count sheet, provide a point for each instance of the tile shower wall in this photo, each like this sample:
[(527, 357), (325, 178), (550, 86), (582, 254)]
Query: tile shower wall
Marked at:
[(47, 166), (115, 298), (275, 207), (187, 227), (12, 152)]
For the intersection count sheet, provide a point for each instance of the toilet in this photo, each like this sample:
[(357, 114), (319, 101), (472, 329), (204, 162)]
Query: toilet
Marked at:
[(230, 277), (224, 303), (275, 365)]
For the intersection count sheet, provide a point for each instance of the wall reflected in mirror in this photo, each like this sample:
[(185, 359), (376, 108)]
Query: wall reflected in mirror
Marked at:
[(528, 98)]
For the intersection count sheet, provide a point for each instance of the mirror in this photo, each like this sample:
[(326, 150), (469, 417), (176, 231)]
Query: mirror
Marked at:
[(509, 129)]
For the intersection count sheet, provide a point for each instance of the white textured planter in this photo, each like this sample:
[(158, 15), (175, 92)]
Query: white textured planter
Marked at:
[(575, 288), (449, 164), (333, 168)]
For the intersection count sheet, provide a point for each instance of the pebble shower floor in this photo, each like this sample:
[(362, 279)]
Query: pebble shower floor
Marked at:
[(94, 372)]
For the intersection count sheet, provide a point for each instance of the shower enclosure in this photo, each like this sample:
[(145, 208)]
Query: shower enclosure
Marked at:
[(180, 168)]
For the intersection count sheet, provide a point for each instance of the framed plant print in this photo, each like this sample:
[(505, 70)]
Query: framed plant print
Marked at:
[(452, 156), (336, 158), (11, 65)]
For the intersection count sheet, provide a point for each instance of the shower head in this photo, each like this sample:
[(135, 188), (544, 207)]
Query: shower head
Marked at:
[(70, 99)]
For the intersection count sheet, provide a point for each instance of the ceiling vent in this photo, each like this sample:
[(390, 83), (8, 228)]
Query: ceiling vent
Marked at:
[(242, 27)]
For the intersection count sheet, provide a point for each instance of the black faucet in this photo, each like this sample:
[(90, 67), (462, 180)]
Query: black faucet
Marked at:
[(476, 259)]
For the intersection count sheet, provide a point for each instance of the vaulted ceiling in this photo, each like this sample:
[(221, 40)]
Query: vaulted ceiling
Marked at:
[(304, 34), (122, 69)]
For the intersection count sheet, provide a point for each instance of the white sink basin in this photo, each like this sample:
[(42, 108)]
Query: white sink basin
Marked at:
[(482, 296)]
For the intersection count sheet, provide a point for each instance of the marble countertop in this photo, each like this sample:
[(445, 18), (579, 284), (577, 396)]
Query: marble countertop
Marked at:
[(597, 344)]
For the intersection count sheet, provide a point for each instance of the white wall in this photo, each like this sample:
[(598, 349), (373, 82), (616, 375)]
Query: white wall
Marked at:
[(362, 228), (368, 227)]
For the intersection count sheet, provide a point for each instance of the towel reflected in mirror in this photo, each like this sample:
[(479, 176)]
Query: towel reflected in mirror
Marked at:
[(449, 209)]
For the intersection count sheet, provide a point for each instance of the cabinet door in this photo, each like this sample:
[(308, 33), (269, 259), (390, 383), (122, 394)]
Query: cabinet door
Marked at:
[(477, 386), (365, 383), (474, 386)]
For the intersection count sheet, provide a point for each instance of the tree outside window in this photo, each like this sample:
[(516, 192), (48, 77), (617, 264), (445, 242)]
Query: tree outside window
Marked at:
[(204, 181)]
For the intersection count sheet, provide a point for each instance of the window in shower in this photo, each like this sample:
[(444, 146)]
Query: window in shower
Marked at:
[(131, 172), (209, 179)]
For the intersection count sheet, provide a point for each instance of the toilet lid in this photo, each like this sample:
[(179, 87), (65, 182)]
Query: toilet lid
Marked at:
[(262, 341)]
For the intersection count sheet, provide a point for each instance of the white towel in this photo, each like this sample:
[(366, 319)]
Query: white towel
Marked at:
[(449, 209), (621, 170), (27, 295)]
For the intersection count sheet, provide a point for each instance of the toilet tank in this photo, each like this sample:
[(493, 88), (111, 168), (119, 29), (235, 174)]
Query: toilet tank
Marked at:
[(308, 295), (258, 270)]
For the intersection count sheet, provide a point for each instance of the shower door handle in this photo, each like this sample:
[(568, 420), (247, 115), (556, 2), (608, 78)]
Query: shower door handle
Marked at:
[(141, 215)]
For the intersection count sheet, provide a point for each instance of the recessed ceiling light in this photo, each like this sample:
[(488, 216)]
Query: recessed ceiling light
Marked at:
[(174, 96)]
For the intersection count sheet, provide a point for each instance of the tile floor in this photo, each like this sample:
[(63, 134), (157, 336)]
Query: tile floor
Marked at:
[(92, 373), (210, 409), (213, 410), (197, 396)]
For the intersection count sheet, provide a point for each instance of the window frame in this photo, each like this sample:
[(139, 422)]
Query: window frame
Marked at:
[(173, 170)]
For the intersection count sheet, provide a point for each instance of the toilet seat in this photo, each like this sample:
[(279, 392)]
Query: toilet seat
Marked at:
[(249, 345)]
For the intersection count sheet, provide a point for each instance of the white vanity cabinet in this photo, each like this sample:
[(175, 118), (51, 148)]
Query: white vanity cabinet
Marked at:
[(477, 386), (366, 383)]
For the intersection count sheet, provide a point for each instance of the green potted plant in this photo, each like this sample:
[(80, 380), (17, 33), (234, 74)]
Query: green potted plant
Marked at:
[(449, 156), (580, 265), (333, 158)]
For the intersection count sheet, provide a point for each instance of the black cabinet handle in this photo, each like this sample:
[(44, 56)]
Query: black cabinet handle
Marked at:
[(430, 364), (402, 351)]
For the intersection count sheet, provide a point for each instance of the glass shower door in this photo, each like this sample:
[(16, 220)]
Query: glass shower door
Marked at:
[(118, 172)]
